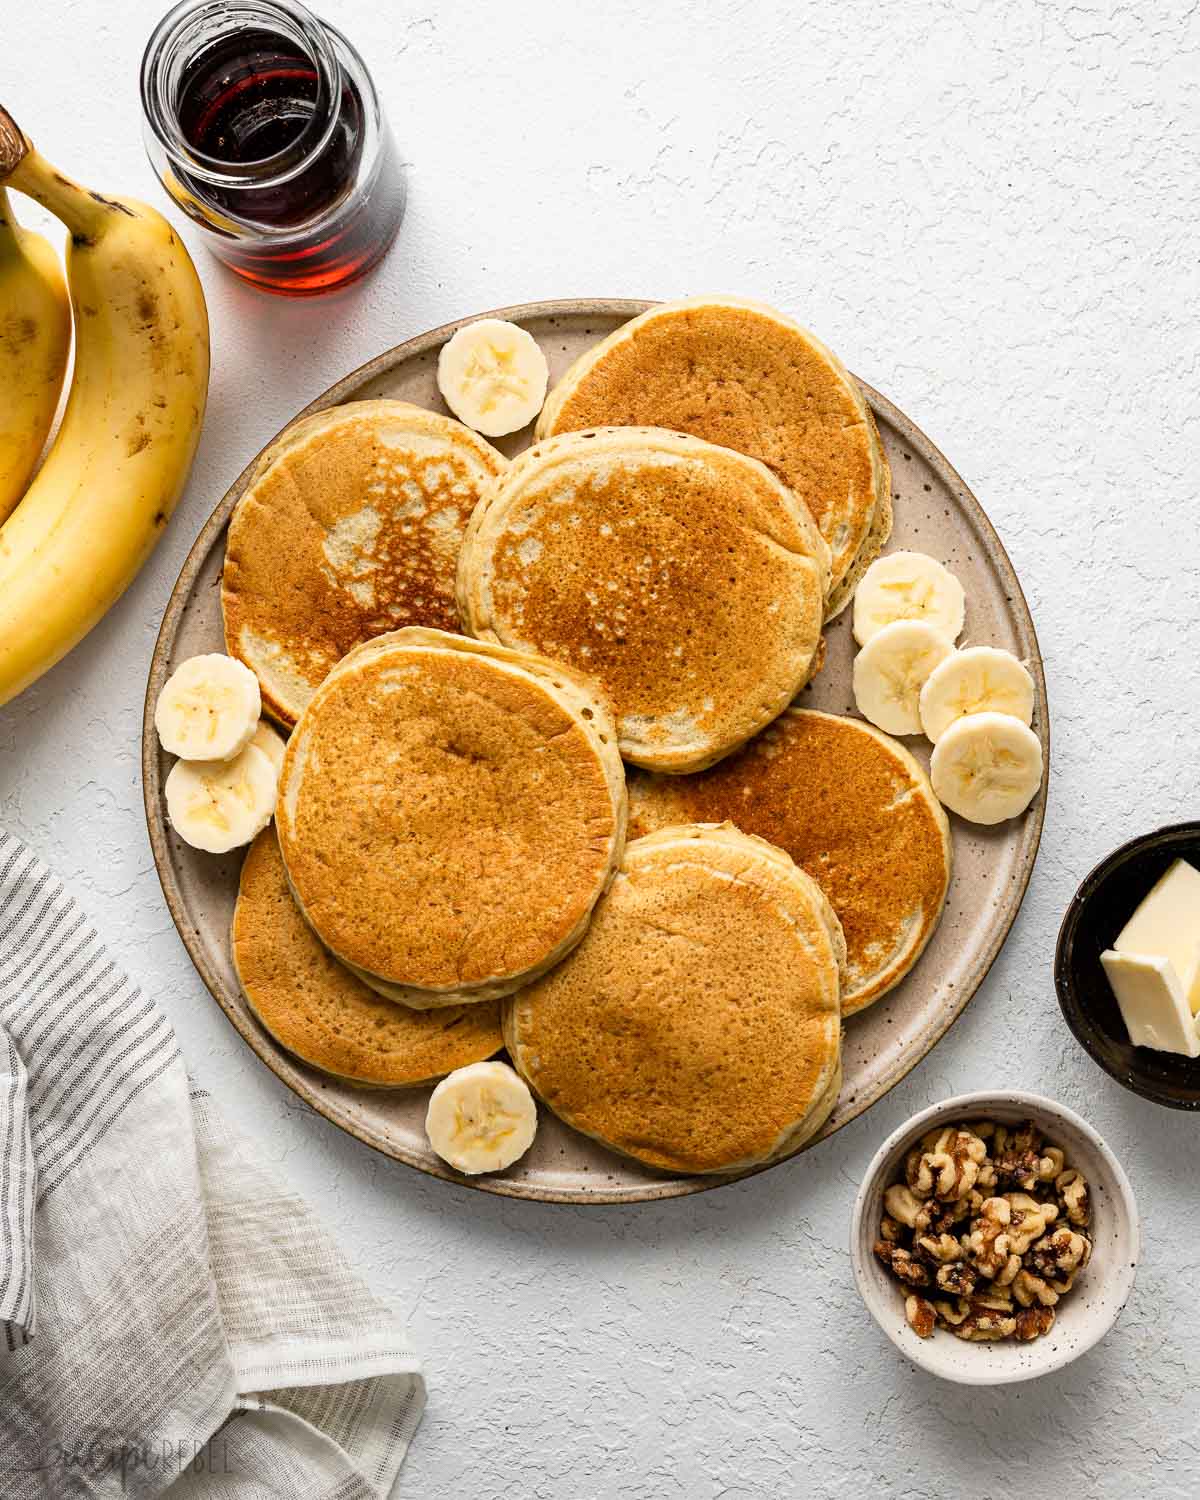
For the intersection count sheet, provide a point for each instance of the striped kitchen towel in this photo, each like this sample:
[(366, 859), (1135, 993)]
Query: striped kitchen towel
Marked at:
[(172, 1318)]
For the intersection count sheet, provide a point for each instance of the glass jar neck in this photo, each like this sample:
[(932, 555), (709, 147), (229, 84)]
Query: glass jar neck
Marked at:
[(195, 27)]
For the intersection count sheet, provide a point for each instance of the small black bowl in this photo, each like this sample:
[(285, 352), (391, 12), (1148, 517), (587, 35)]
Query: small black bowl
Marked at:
[(1102, 905)]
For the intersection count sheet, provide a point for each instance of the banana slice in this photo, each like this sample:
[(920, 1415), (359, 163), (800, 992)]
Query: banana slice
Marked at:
[(218, 805), (979, 679), (208, 708), (987, 767), (493, 376), (908, 586), (481, 1118), (890, 671), (271, 743)]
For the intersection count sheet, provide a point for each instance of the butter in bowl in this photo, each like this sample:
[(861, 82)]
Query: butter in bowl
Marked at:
[(1127, 968)]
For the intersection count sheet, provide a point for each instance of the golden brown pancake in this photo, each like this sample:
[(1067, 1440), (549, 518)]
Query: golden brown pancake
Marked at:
[(320, 1012), (349, 527), (853, 808), (449, 813), (684, 577), (745, 376), (697, 1025)]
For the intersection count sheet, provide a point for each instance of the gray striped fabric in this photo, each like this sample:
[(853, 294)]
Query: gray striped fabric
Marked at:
[(172, 1317)]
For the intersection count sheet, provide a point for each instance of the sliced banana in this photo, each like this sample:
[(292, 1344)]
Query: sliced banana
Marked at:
[(890, 671), (481, 1118), (987, 767), (218, 805), (493, 376), (978, 679), (271, 743), (908, 586), (208, 708)]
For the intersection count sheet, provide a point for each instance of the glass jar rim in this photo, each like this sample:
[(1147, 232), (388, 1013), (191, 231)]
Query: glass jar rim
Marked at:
[(181, 25)]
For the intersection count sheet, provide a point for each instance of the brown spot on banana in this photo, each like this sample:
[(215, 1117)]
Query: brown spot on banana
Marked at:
[(16, 332), (109, 202)]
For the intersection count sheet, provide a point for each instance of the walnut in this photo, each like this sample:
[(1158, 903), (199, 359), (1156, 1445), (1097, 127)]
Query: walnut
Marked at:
[(981, 1318), (986, 1245), (1060, 1255), (1033, 1322), (1020, 1160), (1029, 1289), (901, 1264), (1051, 1164), (945, 1165), (921, 1317), (942, 1248), (891, 1230), (902, 1205), (957, 1277), (1029, 1220), (1072, 1189), (987, 1221), (951, 1314), (1007, 1273), (937, 1217)]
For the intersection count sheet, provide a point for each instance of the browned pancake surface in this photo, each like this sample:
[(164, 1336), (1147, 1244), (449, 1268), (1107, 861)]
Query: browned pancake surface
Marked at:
[(320, 1012), (683, 577), (444, 821), (739, 377), (697, 1023), (353, 529), (852, 809)]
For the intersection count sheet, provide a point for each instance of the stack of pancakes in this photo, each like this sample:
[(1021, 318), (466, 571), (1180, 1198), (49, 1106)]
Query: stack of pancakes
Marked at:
[(647, 584)]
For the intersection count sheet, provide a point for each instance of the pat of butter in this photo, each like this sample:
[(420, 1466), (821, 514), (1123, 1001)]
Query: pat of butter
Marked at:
[(1167, 924), (1152, 1000)]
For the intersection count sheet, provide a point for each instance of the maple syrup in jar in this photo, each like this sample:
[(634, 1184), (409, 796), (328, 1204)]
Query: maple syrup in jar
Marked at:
[(263, 125)]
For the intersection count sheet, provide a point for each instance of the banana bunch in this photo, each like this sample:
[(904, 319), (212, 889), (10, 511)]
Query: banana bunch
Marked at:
[(35, 342), (93, 512)]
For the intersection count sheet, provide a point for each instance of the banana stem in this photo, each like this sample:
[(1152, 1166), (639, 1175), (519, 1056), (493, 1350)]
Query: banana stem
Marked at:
[(23, 167), (13, 144)]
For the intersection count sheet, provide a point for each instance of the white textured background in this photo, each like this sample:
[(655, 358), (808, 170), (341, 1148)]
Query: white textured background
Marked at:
[(990, 210)]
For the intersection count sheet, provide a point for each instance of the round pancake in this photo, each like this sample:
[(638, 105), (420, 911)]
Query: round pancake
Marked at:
[(449, 812), (853, 808), (325, 1016), (684, 577), (697, 1025), (743, 375), (350, 526)]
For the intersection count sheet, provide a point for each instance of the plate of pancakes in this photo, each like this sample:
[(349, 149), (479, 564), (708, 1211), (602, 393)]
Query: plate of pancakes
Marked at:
[(574, 774)]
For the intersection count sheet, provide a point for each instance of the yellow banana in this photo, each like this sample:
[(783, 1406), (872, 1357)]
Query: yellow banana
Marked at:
[(35, 340), (121, 458)]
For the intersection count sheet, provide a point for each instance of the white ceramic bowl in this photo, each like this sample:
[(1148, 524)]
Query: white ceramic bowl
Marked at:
[(1084, 1316)]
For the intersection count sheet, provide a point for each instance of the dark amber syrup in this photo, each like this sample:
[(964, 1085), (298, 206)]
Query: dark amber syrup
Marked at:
[(252, 95)]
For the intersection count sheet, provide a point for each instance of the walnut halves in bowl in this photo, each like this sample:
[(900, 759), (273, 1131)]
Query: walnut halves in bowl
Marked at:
[(985, 1232)]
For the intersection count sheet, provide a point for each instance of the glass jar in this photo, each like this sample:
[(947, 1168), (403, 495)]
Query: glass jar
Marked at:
[(263, 125)]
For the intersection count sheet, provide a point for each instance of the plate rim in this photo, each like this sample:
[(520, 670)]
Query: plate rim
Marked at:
[(316, 1095)]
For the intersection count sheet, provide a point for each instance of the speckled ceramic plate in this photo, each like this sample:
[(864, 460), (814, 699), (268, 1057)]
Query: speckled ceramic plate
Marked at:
[(935, 513)]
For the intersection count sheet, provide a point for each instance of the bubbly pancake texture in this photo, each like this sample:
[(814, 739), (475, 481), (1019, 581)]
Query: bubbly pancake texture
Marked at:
[(684, 577), (743, 375), (349, 527), (697, 1026), (852, 808), (449, 812), (321, 1013)]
